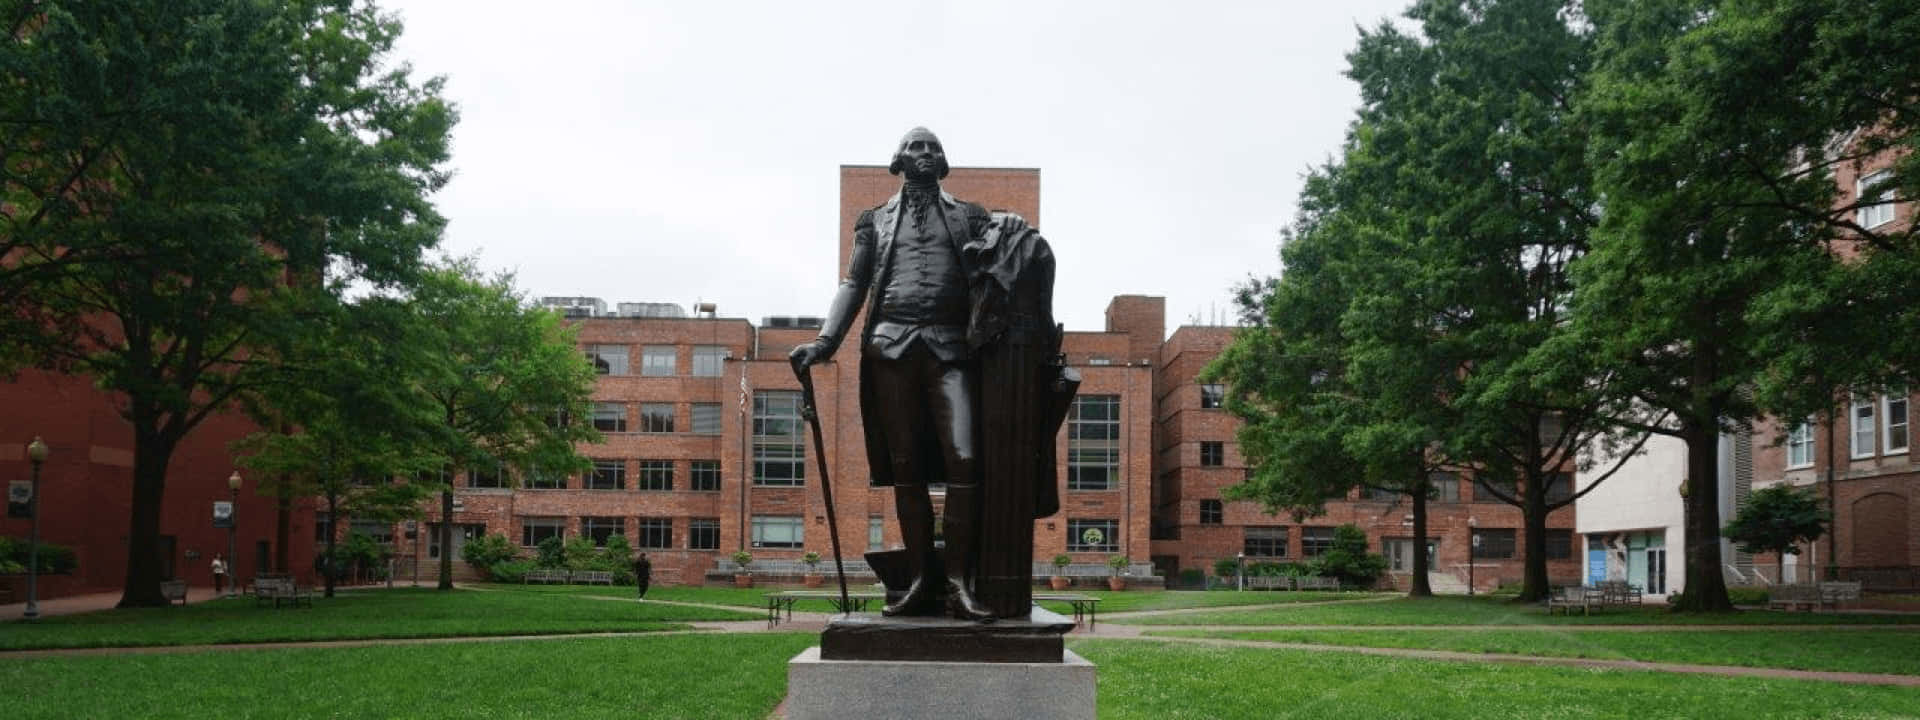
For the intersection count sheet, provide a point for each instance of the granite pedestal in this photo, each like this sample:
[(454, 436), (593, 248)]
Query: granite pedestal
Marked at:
[(820, 689), (1034, 638)]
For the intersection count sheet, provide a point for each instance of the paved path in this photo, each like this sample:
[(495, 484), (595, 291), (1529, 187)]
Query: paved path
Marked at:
[(1135, 630)]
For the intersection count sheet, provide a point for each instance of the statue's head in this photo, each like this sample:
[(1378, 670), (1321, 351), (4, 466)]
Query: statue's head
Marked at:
[(920, 156)]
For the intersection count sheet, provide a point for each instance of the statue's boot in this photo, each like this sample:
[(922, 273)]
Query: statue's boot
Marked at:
[(920, 596), (961, 528)]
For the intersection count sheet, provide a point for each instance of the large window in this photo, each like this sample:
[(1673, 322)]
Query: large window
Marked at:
[(1559, 487), (656, 417), (1213, 453), (703, 534), (1800, 445), (1881, 212), (658, 360), (537, 479), (708, 360), (876, 533), (535, 529), (1212, 395), (608, 359), (1093, 536), (1495, 544), (1315, 540), (1894, 407), (656, 533), (706, 418), (703, 475), (610, 417), (1265, 542), (778, 531), (608, 475), (656, 475), (379, 531), (1446, 487), (1093, 442), (601, 528), (1506, 487), (1375, 494), (487, 475), (1559, 544), (779, 449), (1212, 512), (1863, 427)]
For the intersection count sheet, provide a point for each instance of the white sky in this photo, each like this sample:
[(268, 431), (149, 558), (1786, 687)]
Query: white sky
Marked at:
[(679, 152)]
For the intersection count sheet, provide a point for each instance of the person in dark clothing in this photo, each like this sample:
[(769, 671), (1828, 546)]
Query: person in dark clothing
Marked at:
[(642, 574)]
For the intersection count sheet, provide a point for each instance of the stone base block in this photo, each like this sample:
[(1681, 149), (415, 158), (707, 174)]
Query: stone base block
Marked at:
[(837, 689)]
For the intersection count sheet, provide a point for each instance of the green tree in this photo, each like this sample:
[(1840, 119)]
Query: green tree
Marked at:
[(505, 381), (1777, 519), (1349, 560), (171, 169)]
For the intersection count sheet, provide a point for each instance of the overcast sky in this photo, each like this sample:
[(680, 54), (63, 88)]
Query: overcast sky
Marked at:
[(684, 152)]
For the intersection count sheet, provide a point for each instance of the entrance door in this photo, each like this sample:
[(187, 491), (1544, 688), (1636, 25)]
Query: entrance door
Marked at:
[(262, 558), (461, 534), (1399, 552), (1656, 571)]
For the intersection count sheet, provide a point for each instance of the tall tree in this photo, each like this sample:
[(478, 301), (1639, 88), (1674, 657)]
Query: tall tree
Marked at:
[(173, 165), (507, 382)]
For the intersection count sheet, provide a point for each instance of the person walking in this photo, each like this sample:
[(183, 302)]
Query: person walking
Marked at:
[(219, 575), (642, 574)]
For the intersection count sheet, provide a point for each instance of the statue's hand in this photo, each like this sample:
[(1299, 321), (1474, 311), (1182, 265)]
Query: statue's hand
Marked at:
[(808, 354)]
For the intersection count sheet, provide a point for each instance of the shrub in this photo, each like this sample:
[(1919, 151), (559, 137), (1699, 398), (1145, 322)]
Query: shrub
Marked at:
[(1749, 595), (1061, 561), (54, 559), (485, 552), (550, 553), (812, 559), (1119, 564), (1348, 559), (511, 571), (579, 553), (742, 558), (1226, 567), (1192, 577)]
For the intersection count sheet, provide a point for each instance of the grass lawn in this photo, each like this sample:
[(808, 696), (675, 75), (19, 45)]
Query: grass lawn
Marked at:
[(1110, 602), (1157, 681), (1492, 611), (396, 613), (1841, 651), (675, 676)]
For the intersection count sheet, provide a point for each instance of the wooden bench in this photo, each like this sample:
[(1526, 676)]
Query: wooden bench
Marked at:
[(280, 589), (545, 575), (1809, 597), (593, 577), (1269, 582), (175, 591), (1618, 592), (1084, 606), (1568, 597), (1316, 582)]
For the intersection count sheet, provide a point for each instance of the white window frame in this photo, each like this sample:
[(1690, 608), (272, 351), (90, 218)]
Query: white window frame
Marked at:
[(650, 355), (1889, 432), (1800, 440), (778, 531), (1873, 216), (709, 360), (1862, 437)]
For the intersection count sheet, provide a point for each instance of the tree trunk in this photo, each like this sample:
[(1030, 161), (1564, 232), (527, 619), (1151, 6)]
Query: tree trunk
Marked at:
[(1533, 557), (1706, 588), (151, 453), (283, 520), (446, 539), (1420, 586), (333, 527)]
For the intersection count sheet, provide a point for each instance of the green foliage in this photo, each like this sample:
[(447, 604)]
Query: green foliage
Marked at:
[(1749, 595), (1226, 567), (551, 552), (512, 571), (1777, 519), (54, 559), (1118, 564), (742, 559), (1192, 577), (1348, 559), (579, 553), (486, 552), (811, 558), (1062, 560)]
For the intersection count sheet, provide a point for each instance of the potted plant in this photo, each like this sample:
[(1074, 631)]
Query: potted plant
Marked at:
[(1118, 580), (743, 578), (812, 559), (1060, 563)]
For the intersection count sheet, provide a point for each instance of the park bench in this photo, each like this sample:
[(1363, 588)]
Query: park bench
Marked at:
[(593, 577), (280, 589), (175, 591), (543, 575), (1568, 597), (1085, 607), (1618, 592), (1316, 582), (1810, 597), (1269, 582)]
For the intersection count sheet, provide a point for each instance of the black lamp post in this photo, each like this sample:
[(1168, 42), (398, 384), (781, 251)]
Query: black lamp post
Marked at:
[(233, 523), (37, 453), (1472, 553)]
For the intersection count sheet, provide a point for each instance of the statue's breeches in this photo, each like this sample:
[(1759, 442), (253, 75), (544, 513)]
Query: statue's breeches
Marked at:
[(925, 413)]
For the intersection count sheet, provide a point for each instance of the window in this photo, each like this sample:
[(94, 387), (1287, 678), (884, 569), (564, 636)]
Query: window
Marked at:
[(779, 450), (656, 475), (1093, 442), (379, 531), (1093, 535), (876, 533), (703, 475), (608, 359), (601, 528), (535, 529), (322, 527), (778, 531), (703, 534), (656, 417), (657, 533), (537, 479), (1895, 410), (1213, 453), (1495, 544), (1265, 542), (1212, 395), (708, 359), (1800, 445), (1863, 427), (1315, 540), (609, 417), (487, 475), (1880, 213), (1559, 544), (1559, 487), (1375, 494), (658, 360), (607, 475), (1446, 487), (706, 418), (1212, 512), (1504, 485)]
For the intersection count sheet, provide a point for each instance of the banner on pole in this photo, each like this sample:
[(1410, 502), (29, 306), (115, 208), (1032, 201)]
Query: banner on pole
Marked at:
[(222, 513), (19, 494)]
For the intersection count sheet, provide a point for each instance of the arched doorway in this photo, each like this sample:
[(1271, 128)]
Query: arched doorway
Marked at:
[(1880, 531)]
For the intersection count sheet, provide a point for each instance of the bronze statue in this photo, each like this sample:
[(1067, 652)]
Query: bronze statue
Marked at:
[(959, 382)]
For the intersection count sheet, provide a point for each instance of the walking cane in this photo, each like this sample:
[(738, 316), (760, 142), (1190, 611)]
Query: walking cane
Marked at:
[(805, 373)]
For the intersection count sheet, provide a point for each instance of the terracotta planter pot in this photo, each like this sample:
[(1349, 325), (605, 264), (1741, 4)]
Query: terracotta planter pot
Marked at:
[(1116, 583), (743, 580), (813, 580), (1058, 582)]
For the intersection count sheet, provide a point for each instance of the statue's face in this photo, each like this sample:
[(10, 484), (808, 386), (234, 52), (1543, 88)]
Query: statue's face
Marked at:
[(921, 159)]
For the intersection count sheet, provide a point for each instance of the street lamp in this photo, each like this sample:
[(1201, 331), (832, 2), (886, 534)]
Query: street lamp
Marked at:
[(233, 562), (1473, 528), (37, 453), (1241, 574)]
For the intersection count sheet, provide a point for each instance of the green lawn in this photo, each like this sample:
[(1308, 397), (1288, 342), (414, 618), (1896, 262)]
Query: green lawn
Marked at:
[(675, 676), (1110, 602), (397, 613), (1492, 611), (1834, 650), (1157, 681)]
